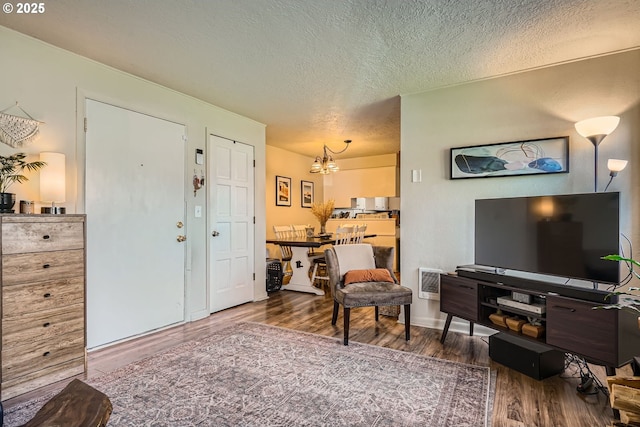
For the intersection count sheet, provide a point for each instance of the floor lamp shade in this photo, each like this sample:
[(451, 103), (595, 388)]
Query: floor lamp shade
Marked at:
[(52, 181)]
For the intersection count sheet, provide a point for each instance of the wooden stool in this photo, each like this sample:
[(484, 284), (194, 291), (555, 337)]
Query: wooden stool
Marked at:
[(77, 405)]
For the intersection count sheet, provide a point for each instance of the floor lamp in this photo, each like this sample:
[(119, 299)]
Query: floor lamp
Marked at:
[(614, 166), (595, 130)]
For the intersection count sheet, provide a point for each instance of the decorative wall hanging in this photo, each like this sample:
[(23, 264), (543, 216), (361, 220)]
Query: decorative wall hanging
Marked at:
[(17, 131), (306, 193), (283, 191), (531, 157)]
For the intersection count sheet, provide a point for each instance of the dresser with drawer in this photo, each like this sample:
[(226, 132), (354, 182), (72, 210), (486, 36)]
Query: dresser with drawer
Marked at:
[(43, 300)]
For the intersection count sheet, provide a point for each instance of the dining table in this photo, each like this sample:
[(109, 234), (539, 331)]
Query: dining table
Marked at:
[(300, 261)]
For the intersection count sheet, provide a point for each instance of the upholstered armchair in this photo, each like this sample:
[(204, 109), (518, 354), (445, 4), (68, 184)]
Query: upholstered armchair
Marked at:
[(362, 275)]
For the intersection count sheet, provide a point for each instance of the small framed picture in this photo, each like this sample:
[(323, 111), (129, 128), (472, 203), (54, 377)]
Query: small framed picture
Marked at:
[(283, 191), (306, 193)]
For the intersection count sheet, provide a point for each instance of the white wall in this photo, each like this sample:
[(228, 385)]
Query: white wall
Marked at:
[(51, 84), (438, 213)]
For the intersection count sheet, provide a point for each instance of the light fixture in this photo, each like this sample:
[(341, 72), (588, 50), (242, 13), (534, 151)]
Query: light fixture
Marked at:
[(325, 164), (615, 166), (595, 130), (52, 182)]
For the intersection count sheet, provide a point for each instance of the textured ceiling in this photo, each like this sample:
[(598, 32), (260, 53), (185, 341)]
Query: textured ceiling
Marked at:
[(321, 71)]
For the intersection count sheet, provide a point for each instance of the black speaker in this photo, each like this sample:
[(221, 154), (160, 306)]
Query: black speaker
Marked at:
[(533, 359)]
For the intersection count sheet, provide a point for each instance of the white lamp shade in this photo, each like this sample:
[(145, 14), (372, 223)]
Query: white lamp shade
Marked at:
[(52, 178), (597, 126), (616, 165)]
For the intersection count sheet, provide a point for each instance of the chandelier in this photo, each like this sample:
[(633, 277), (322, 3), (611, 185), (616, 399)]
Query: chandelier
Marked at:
[(325, 164)]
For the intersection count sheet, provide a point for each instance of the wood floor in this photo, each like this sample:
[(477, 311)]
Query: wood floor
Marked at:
[(520, 401)]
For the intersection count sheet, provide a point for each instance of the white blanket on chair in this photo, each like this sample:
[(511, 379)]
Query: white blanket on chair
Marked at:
[(354, 257)]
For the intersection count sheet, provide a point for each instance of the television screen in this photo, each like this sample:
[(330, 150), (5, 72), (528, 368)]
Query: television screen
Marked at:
[(561, 235)]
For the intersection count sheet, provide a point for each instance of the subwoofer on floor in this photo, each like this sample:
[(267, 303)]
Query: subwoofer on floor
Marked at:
[(533, 359)]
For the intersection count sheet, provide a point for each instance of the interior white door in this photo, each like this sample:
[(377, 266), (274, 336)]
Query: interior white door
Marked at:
[(134, 202), (231, 211)]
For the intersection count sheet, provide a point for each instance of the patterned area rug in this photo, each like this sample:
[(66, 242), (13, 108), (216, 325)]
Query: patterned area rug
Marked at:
[(251, 374)]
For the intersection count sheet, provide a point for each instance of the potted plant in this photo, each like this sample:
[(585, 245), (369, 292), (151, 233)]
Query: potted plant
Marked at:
[(630, 301), (323, 212), (11, 168)]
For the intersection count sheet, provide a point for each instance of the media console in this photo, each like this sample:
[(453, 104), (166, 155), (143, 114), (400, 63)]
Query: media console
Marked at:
[(595, 295), (604, 337)]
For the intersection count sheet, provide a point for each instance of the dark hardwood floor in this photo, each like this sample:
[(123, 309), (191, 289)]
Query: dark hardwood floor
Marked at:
[(520, 401)]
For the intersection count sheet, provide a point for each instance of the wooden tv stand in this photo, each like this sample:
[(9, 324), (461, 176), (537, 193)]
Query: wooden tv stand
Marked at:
[(604, 337)]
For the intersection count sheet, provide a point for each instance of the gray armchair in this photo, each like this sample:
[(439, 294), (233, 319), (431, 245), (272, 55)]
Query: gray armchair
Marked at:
[(365, 294)]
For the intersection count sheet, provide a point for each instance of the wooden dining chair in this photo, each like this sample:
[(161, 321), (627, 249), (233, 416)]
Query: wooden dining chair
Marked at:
[(343, 236), (299, 231), (284, 232), (358, 234)]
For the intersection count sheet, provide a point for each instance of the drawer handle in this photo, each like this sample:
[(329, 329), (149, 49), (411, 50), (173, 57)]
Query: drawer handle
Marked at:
[(565, 308), (467, 287), (46, 325), (46, 266), (46, 237), (45, 354), (47, 295)]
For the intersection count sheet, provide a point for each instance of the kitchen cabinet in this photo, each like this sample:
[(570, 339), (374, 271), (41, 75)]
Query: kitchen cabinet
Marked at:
[(370, 203), (43, 300)]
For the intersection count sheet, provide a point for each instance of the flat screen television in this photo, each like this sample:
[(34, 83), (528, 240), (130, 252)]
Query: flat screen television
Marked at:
[(559, 235)]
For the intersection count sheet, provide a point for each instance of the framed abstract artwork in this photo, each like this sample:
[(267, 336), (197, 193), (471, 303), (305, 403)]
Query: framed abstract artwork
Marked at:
[(283, 191), (306, 194), (531, 157)]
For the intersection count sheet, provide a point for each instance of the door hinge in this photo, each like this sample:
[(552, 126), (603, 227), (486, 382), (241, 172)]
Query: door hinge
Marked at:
[(85, 125), (254, 276), (254, 220), (254, 163)]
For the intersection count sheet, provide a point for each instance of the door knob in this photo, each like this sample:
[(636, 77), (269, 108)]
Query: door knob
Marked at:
[(215, 233), (181, 238)]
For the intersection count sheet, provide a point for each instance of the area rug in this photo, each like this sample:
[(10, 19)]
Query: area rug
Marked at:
[(251, 374)]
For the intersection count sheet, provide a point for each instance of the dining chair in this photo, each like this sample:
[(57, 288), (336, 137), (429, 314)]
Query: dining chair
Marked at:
[(358, 234), (284, 232), (362, 275), (343, 236), (299, 231)]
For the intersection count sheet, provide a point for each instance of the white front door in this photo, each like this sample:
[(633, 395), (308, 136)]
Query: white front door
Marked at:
[(231, 223), (134, 201)]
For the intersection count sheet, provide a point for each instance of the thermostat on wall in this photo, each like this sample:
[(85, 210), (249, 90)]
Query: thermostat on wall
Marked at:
[(199, 156)]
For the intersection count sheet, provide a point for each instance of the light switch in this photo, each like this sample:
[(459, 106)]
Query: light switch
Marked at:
[(198, 211), (416, 175)]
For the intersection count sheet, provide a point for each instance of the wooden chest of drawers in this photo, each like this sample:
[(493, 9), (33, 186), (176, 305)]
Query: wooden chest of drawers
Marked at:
[(43, 300)]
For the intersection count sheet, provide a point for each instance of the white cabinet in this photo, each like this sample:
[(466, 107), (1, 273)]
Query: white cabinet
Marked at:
[(380, 203), (370, 203)]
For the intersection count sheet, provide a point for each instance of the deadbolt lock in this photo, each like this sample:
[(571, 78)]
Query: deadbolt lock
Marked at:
[(179, 224)]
